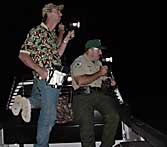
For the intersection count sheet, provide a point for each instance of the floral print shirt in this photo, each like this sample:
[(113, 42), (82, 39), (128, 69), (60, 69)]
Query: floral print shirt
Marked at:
[(41, 45)]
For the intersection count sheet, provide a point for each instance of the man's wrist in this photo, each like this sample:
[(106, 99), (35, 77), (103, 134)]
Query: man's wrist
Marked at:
[(65, 41), (61, 31)]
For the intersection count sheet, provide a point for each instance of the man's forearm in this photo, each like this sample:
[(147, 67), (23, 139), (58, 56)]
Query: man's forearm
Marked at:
[(28, 61), (86, 79), (60, 38)]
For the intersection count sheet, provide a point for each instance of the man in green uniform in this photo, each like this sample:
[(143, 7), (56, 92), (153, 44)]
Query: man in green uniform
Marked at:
[(88, 74)]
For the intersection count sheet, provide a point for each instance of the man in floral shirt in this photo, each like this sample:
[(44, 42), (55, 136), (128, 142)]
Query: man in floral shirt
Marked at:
[(42, 50)]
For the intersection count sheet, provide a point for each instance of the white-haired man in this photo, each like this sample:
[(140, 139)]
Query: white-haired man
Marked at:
[(42, 50)]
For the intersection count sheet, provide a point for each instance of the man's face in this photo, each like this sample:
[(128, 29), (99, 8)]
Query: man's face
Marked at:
[(55, 15), (96, 53)]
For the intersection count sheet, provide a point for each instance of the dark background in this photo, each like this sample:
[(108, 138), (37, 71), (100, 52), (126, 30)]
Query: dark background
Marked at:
[(133, 32)]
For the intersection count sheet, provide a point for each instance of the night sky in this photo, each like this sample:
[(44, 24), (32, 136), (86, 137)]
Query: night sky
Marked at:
[(132, 32)]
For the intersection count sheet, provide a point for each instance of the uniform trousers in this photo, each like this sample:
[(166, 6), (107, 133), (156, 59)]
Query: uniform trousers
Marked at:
[(83, 109)]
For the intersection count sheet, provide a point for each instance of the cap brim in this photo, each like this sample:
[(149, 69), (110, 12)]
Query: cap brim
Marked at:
[(100, 47), (103, 48), (60, 7)]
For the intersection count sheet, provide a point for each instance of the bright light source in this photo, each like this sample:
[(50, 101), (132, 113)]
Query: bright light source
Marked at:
[(69, 79), (109, 59), (75, 24)]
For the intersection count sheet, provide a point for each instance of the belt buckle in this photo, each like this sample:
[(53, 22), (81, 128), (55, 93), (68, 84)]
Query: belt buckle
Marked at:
[(87, 90)]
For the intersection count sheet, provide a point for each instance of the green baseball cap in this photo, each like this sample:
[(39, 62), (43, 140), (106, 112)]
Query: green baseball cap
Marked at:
[(48, 7), (95, 43)]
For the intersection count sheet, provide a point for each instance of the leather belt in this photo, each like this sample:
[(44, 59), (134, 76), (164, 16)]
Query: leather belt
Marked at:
[(86, 90), (95, 88)]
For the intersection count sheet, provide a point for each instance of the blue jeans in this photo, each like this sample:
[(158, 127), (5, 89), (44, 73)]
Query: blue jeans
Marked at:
[(45, 97)]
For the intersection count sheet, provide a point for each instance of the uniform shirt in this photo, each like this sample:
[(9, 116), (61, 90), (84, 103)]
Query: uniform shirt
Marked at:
[(41, 45), (81, 66)]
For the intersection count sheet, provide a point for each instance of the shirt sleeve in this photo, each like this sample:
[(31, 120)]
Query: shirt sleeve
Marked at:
[(29, 43), (35, 42), (77, 68)]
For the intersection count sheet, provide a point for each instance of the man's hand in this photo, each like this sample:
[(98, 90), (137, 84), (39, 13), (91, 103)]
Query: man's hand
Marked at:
[(113, 82), (61, 28), (70, 35), (43, 73), (103, 70)]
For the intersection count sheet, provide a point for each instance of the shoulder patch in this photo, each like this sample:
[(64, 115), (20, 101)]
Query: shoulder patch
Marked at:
[(78, 64)]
